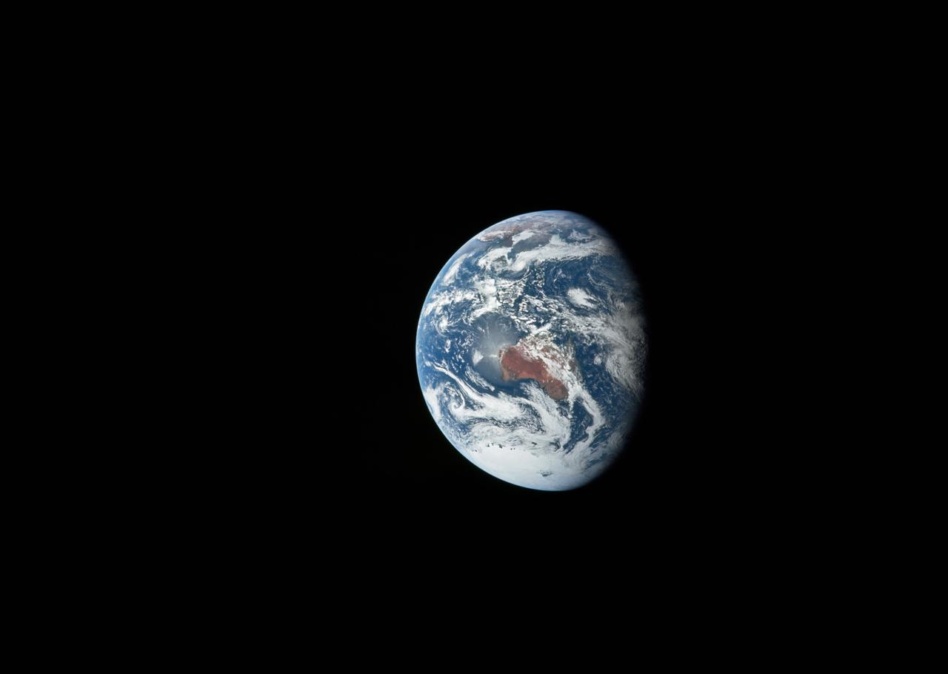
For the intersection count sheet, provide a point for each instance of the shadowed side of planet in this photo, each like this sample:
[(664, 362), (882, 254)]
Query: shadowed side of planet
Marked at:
[(530, 350)]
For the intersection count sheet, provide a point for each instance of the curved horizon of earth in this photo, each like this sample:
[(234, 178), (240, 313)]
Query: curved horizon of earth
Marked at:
[(531, 348)]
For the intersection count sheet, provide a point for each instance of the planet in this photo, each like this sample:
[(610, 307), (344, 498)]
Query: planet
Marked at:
[(531, 349)]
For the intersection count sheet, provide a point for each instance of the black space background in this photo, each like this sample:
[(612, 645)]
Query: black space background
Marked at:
[(252, 221), (266, 214)]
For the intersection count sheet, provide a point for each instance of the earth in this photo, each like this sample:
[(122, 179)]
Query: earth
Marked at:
[(531, 348)]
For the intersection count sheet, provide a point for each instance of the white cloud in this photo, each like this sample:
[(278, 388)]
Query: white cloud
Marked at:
[(580, 297)]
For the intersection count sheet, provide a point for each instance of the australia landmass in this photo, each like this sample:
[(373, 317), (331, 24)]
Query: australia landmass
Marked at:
[(516, 363)]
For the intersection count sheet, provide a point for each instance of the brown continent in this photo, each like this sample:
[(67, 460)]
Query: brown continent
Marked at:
[(515, 365)]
